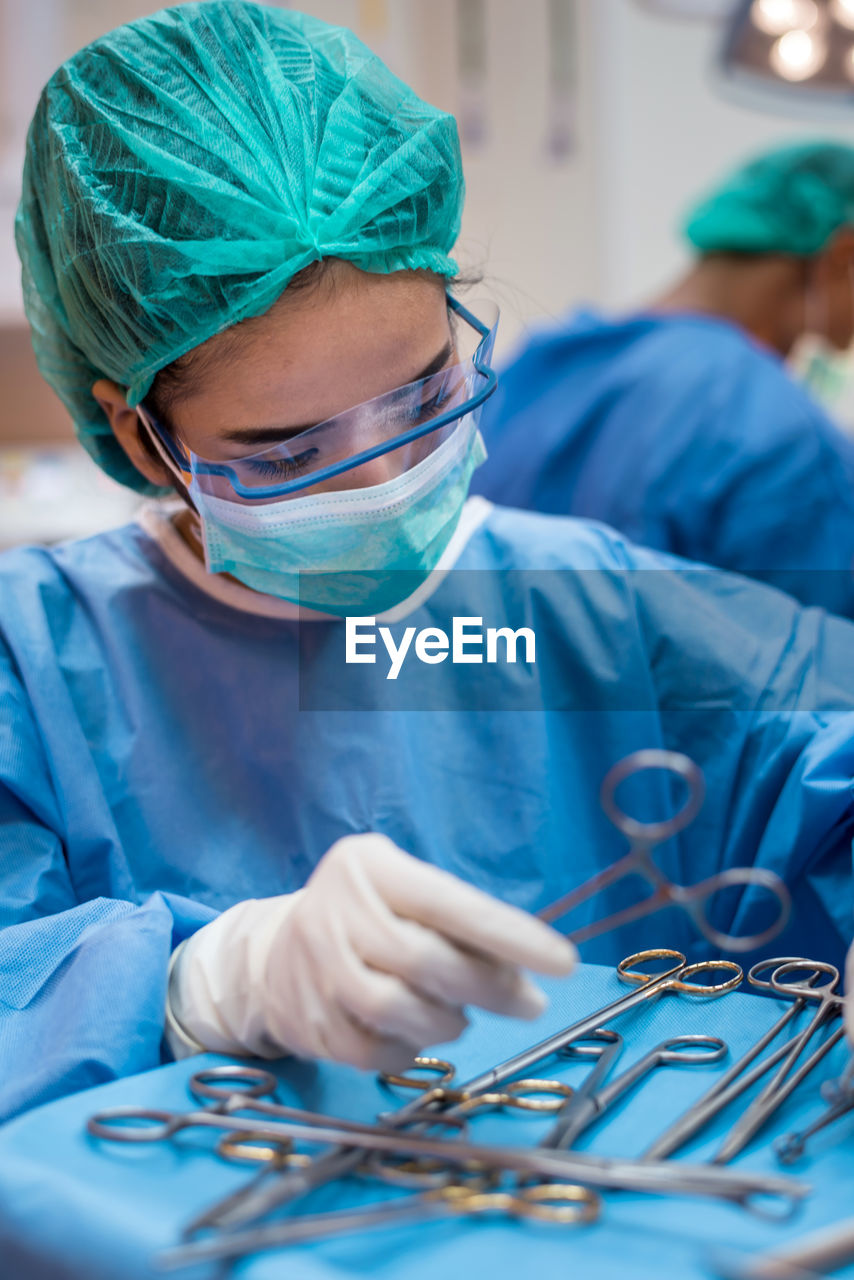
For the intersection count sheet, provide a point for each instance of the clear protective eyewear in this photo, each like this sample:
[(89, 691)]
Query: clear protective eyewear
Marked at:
[(401, 427)]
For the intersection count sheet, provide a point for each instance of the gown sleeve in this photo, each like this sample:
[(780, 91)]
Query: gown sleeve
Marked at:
[(82, 984)]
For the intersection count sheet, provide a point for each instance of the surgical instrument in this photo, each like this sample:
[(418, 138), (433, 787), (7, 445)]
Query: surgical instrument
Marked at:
[(741, 1134), (337, 1163), (782, 1084), (678, 979), (147, 1125), (524, 1095), (560, 1136), (736, 1080), (563, 1204), (839, 1095), (687, 1050), (643, 838), (817, 1254)]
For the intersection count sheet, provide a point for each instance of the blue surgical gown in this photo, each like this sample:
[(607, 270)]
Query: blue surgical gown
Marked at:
[(164, 755), (687, 436)]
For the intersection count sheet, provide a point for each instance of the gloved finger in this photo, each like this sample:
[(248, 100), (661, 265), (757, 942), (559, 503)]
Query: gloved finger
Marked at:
[(443, 902), (346, 1040), (432, 965), (389, 1007), (326, 1030)]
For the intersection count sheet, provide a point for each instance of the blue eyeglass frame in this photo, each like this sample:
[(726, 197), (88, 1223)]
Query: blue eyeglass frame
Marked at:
[(226, 469)]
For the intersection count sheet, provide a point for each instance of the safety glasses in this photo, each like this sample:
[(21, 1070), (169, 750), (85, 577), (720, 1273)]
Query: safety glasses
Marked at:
[(390, 434)]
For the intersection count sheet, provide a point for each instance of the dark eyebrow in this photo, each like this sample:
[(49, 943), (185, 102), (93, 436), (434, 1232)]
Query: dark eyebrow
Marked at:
[(263, 435)]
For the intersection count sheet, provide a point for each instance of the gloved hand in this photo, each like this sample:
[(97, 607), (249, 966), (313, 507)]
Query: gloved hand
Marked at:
[(372, 961)]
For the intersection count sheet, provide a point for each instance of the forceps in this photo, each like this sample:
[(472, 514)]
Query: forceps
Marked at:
[(643, 838), (522, 1095), (677, 978), (564, 1204), (563, 1131), (782, 1085), (581, 1112), (608, 1044), (344, 1159), (737, 1079), (147, 1125), (839, 1095)]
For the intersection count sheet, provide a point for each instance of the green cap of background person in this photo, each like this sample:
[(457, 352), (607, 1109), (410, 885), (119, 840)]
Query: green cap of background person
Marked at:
[(182, 169), (790, 200)]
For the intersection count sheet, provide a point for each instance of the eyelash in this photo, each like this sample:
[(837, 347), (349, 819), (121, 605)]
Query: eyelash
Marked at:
[(434, 405), (284, 468), (290, 468)]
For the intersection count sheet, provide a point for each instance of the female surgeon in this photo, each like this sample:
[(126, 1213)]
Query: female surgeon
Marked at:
[(682, 425), (235, 233)]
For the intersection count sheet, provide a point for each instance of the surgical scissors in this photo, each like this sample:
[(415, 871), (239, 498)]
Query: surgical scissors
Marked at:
[(521, 1095), (147, 1125), (563, 1204), (782, 1085), (643, 838), (608, 1044), (677, 978), (687, 1050), (737, 1079), (344, 1159), (563, 1131)]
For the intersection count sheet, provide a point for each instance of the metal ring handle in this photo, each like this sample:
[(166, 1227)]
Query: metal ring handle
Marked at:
[(249, 1081), (711, 1049), (438, 1066), (775, 962), (626, 972), (797, 988), (143, 1125), (683, 983), (521, 1095), (559, 1202), (669, 762), (246, 1148), (583, 1048), (695, 898)]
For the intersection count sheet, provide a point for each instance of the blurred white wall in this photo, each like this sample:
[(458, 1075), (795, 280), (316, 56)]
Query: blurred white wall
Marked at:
[(651, 131)]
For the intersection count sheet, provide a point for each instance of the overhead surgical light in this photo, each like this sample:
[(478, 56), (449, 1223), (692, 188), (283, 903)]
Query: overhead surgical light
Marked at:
[(798, 55), (779, 17), (842, 11), (788, 47)]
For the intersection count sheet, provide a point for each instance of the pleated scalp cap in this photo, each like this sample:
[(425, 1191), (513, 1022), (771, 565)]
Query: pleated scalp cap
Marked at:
[(790, 200), (182, 169)]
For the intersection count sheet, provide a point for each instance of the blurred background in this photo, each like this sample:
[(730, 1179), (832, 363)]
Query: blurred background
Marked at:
[(587, 127)]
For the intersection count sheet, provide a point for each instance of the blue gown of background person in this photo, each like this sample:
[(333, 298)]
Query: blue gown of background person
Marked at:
[(164, 755), (687, 436)]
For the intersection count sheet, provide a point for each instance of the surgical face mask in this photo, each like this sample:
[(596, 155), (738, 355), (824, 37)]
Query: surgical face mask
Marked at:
[(356, 551), (826, 372), (306, 520)]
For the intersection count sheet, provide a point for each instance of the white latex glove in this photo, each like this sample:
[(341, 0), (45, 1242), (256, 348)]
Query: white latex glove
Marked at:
[(372, 961)]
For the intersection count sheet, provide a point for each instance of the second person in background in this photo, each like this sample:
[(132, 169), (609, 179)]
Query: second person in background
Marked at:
[(681, 425)]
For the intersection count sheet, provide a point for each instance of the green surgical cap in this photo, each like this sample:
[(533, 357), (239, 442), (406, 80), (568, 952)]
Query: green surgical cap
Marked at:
[(790, 200), (182, 169)]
